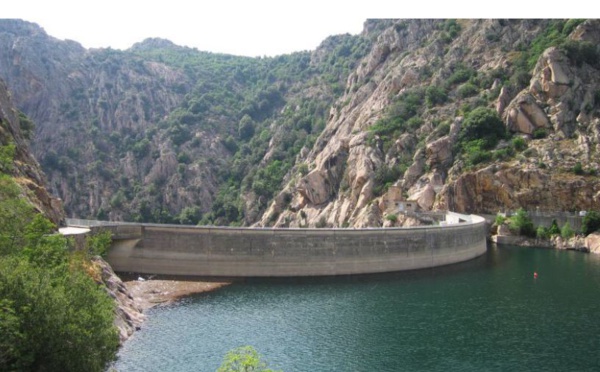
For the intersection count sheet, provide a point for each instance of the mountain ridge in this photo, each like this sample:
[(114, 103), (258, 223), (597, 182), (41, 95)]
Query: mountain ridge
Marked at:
[(334, 136)]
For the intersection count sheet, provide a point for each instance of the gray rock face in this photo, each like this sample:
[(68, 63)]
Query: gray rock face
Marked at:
[(26, 169), (350, 165), (128, 315)]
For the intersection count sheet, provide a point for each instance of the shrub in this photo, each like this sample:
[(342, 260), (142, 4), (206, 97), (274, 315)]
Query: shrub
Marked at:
[(384, 177), (566, 231), (500, 219), (392, 218), (590, 222), (578, 169), (521, 224), (580, 52), (460, 75), (542, 233), (519, 143), (540, 133), (475, 153), (482, 124), (554, 229), (435, 95), (467, 90)]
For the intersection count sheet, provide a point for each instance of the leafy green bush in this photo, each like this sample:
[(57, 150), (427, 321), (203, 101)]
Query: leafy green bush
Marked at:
[(482, 124), (460, 75), (7, 154), (392, 218), (467, 90), (499, 220), (580, 52), (566, 232), (435, 95), (554, 229), (476, 153), (542, 233), (590, 222), (53, 316), (539, 133), (385, 176), (521, 224), (578, 169), (519, 143)]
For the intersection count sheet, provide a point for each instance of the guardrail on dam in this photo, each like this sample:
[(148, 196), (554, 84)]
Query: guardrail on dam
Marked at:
[(276, 252)]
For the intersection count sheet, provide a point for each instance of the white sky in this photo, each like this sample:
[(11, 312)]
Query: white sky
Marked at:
[(251, 27)]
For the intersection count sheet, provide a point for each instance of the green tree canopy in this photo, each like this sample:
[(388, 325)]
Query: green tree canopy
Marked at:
[(482, 124)]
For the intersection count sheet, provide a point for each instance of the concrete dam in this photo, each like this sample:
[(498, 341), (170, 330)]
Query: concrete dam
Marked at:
[(280, 252)]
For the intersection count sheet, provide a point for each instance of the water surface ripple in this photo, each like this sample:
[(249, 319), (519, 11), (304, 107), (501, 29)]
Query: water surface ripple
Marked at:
[(488, 314)]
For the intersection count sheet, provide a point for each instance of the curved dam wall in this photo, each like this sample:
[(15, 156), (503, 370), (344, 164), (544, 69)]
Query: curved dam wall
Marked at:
[(260, 252)]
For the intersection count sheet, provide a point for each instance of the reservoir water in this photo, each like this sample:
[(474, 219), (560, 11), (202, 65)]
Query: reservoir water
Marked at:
[(488, 314)]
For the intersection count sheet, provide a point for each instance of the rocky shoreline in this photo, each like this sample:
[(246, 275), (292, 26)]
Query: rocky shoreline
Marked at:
[(133, 297), (588, 244)]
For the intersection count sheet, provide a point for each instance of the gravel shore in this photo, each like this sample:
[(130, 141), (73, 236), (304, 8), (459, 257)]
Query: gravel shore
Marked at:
[(149, 293)]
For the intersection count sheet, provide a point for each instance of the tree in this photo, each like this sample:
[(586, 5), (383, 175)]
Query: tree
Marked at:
[(53, 315), (566, 231), (244, 359), (435, 95), (246, 127), (521, 224), (554, 229), (590, 222), (482, 124)]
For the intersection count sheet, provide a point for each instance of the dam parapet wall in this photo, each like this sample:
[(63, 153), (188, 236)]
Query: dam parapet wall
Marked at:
[(280, 252)]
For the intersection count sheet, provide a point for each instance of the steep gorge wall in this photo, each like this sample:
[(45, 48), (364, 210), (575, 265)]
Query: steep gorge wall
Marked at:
[(561, 98)]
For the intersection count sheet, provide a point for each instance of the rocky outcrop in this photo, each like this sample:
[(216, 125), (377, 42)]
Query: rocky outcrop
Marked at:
[(128, 315), (26, 170), (395, 120), (525, 116), (592, 243)]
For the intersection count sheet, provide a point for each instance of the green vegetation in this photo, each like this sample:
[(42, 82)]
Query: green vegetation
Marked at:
[(590, 222), (393, 218), (556, 34), (401, 117), (566, 232), (435, 95), (385, 176), (554, 229), (542, 233), (450, 30), (480, 132), (244, 359), (521, 224), (53, 315)]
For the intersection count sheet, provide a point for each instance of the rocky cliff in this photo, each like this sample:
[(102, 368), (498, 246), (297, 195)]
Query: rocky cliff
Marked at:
[(25, 169), (470, 115), (547, 159)]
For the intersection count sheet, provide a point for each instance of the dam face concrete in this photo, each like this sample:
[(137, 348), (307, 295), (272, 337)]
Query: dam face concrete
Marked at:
[(260, 252)]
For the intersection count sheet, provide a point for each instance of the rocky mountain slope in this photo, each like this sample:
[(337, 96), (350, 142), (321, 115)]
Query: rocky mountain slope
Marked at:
[(470, 115), (404, 113), (20, 164), (163, 133)]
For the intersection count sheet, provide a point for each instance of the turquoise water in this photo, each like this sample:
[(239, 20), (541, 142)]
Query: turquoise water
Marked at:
[(489, 314)]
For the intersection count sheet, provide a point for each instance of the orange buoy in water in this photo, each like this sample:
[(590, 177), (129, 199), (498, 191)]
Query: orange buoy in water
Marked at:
[(535, 275)]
